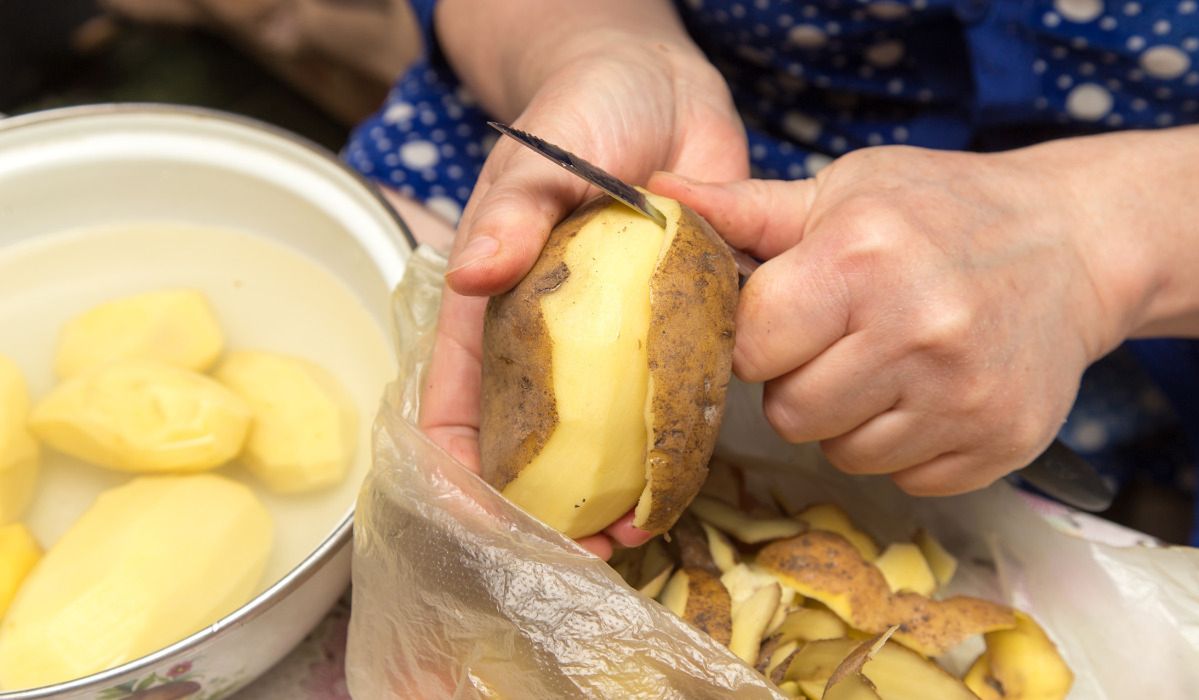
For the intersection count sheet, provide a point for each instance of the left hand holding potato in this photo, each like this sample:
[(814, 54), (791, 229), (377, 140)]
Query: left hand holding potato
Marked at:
[(626, 87), (927, 314)]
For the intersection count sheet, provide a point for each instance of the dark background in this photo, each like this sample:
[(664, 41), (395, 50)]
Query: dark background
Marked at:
[(55, 53)]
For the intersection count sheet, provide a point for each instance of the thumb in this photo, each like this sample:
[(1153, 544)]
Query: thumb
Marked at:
[(761, 217), (518, 199)]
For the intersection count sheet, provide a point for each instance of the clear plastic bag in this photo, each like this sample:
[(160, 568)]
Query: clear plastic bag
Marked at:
[(459, 594)]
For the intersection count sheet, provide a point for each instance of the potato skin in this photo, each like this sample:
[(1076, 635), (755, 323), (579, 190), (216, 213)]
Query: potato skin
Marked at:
[(518, 411), (827, 567), (693, 296), (709, 606)]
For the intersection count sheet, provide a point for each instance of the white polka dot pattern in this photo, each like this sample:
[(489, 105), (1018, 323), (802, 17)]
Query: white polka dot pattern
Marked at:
[(817, 78)]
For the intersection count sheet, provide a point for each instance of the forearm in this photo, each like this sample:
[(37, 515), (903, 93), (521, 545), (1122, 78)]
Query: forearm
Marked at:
[(505, 50)]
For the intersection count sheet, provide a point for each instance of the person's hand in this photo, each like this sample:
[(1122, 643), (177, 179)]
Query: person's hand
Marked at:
[(631, 109), (922, 314)]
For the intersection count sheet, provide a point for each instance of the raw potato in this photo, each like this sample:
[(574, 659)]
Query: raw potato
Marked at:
[(691, 545), (698, 597), (741, 526), (305, 428), (810, 624), (149, 563), (175, 327), (144, 417), (847, 681), (940, 561), (897, 672), (1020, 664), (19, 552), (19, 454), (852, 687), (830, 518), (743, 580), (724, 555), (825, 566), (904, 567), (772, 654), (605, 369), (654, 586), (750, 618)]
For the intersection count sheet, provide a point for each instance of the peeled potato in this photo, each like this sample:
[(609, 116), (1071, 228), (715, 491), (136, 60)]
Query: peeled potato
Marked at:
[(149, 563), (19, 552), (18, 450), (305, 428), (175, 327), (143, 417), (605, 369)]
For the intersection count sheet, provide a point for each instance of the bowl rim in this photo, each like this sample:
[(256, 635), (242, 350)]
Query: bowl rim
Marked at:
[(341, 534)]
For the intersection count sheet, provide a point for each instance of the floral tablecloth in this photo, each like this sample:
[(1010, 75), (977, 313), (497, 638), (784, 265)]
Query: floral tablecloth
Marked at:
[(314, 670)]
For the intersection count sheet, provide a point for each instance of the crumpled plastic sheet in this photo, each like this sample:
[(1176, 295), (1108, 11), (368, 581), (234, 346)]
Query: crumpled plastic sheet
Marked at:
[(459, 594)]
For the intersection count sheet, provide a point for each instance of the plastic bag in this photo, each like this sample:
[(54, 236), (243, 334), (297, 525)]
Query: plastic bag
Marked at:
[(459, 594)]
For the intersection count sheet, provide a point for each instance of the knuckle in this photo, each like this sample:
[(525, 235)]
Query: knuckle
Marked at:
[(851, 457), (974, 393), (945, 327), (783, 414), (869, 232)]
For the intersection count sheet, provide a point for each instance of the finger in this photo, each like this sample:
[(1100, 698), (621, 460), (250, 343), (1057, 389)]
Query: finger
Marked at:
[(841, 389), (449, 412), (761, 217), (626, 534), (890, 442), (518, 201), (790, 310), (599, 545), (950, 474)]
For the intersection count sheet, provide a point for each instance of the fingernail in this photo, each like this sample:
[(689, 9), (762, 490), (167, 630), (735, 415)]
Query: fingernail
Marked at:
[(478, 249)]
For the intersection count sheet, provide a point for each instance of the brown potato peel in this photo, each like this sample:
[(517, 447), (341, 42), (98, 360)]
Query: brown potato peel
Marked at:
[(827, 567)]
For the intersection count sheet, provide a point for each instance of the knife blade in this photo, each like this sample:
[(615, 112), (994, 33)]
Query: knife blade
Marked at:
[(1062, 473), (1059, 471), (613, 186)]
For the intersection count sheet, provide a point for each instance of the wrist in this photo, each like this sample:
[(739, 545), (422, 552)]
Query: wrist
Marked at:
[(528, 41), (1138, 188), (1120, 204)]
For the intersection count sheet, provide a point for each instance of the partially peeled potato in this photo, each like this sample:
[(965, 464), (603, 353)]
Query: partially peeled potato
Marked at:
[(605, 369)]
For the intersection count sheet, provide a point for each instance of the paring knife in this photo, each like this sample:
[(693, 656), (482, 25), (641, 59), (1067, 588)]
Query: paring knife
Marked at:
[(1058, 471)]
